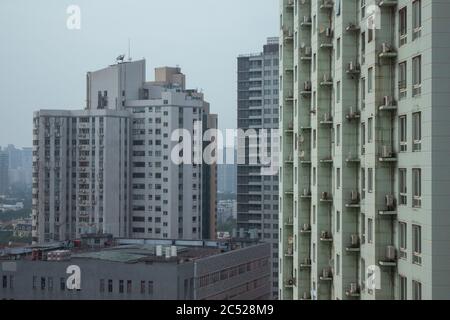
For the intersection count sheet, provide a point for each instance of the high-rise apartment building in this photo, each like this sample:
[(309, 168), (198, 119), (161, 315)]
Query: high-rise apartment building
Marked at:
[(364, 116), (4, 168), (109, 168), (257, 194)]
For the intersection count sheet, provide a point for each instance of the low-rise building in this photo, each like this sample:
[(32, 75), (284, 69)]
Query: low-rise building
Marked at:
[(137, 270)]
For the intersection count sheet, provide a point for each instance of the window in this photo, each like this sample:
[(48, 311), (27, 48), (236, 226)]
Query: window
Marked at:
[(4, 282), (363, 227), (417, 75), (370, 130), (338, 135), (403, 26), (417, 188), (120, 286), (102, 285), (402, 187), (403, 287), (417, 290), (370, 180), (417, 244), (370, 80), (363, 138), (338, 221), (338, 264), (110, 286), (129, 286), (338, 178), (417, 131), (370, 230), (363, 93), (402, 80), (338, 92), (417, 18), (363, 48), (403, 131), (403, 239), (363, 183), (338, 48)]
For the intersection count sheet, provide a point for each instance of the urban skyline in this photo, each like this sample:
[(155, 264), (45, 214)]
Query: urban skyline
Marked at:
[(328, 179)]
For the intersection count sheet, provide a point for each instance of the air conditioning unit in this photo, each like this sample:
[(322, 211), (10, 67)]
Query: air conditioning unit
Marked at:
[(301, 139), (354, 288), (291, 125), (290, 158), (326, 117), (355, 196), (308, 51), (324, 195), (302, 155), (306, 192), (306, 19), (324, 235), (391, 253), (326, 273), (354, 240), (307, 261), (385, 47), (390, 202), (328, 32), (387, 101), (290, 94), (386, 151), (306, 227), (307, 86), (326, 78)]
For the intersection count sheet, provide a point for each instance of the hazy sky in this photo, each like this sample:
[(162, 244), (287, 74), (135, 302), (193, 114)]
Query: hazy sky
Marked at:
[(43, 64)]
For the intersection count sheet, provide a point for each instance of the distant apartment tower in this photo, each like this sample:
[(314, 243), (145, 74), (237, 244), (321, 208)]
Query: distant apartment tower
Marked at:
[(257, 195), (226, 175), (4, 168), (108, 169), (364, 114)]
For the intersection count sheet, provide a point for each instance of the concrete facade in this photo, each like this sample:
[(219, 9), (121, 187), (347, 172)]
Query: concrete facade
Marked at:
[(366, 190), (257, 195), (120, 148)]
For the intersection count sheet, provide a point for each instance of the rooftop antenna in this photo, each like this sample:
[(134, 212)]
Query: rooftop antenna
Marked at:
[(129, 50)]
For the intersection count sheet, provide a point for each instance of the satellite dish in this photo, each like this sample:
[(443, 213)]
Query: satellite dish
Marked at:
[(120, 58)]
